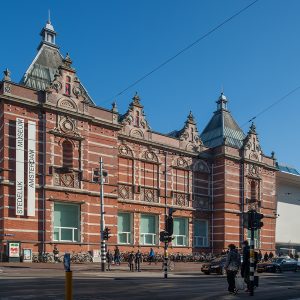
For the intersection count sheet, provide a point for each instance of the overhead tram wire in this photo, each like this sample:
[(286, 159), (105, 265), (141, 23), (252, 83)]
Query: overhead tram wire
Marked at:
[(272, 105), (183, 50)]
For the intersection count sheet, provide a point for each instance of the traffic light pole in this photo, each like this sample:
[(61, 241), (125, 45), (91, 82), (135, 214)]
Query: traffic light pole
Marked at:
[(252, 262), (103, 252), (166, 260)]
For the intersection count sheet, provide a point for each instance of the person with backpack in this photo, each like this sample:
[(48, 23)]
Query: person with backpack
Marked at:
[(232, 266)]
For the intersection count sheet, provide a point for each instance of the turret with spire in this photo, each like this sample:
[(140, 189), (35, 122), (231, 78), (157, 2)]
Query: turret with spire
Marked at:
[(48, 34)]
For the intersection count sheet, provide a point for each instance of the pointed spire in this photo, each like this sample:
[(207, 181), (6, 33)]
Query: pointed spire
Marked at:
[(67, 62), (222, 102), (49, 17), (6, 73), (136, 98)]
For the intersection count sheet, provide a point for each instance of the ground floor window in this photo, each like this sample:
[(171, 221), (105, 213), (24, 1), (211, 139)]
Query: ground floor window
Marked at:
[(200, 233), (66, 222), (148, 230), (256, 238), (180, 232), (124, 228)]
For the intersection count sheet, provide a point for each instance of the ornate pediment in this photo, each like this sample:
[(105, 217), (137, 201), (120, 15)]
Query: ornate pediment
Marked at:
[(189, 135), (134, 121), (251, 146)]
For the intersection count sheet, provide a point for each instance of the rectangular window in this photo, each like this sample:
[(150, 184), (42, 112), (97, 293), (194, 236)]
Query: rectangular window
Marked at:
[(124, 228), (66, 222), (200, 233), (180, 232), (148, 230)]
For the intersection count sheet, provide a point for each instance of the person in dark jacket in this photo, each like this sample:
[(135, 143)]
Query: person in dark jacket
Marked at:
[(55, 253), (138, 260), (271, 255), (259, 256), (266, 257), (131, 261), (245, 269), (109, 260), (117, 256), (232, 265)]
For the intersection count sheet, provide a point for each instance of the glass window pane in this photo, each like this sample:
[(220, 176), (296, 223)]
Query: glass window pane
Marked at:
[(200, 228), (123, 238), (147, 224), (149, 239), (124, 222), (179, 226), (66, 234)]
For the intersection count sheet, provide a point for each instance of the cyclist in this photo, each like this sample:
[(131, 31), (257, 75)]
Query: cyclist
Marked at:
[(151, 256)]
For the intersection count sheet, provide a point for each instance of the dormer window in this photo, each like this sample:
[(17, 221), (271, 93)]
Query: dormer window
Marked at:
[(68, 86)]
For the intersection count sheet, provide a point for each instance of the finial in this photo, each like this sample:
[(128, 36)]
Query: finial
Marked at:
[(273, 155), (222, 89), (252, 128), (67, 61), (136, 98), (6, 75), (114, 107), (191, 117)]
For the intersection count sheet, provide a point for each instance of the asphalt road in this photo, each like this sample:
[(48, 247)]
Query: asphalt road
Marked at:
[(44, 281)]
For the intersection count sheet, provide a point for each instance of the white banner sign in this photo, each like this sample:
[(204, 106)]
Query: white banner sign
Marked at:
[(31, 158), (20, 131)]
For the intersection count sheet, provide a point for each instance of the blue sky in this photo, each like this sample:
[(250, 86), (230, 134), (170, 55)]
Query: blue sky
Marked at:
[(255, 57)]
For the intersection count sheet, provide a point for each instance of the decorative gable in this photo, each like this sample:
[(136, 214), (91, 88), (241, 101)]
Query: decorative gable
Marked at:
[(251, 146), (189, 136), (134, 121)]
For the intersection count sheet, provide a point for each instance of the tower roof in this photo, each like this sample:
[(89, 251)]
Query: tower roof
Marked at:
[(222, 129), (46, 63)]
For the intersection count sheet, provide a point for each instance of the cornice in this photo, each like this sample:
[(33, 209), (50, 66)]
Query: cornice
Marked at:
[(158, 145)]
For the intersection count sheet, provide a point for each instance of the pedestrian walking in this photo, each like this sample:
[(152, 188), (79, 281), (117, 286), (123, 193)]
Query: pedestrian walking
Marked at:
[(245, 269), (55, 253), (117, 256), (266, 257), (109, 260), (138, 261), (131, 261), (232, 266), (151, 256), (271, 255)]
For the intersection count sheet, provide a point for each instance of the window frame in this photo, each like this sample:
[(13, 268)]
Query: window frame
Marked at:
[(130, 226), (79, 235), (178, 236), (197, 237), (154, 235)]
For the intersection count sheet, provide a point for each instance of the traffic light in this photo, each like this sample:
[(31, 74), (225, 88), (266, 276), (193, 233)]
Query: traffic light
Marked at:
[(106, 233), (169, 225), (163, 236), (248, 218), (257, 221), (96, 175)]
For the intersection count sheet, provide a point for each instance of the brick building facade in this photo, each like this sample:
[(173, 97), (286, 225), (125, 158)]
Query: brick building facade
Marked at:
[(52, 131)]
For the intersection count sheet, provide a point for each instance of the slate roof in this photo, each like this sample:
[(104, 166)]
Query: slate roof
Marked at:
[(222, 128), (287, 169), (41, 72)]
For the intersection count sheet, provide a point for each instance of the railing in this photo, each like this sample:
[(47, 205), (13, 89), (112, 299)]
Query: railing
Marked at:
[(66, 234), (124, 237), (125, 191), (200, 241), (148, 238), (179, 240)]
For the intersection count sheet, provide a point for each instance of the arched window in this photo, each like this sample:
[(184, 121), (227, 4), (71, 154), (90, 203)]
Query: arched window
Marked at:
[(68, 85), (67, 152), (253, 191)]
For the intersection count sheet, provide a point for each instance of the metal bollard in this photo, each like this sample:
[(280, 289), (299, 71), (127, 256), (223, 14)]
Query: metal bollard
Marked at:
[(68, 286), (68, 279)]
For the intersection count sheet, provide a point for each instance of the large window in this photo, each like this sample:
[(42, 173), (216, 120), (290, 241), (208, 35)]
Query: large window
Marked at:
[(148, 230), (180, 232), (201, 233), (124, 228), (66, 222), (67, 151)]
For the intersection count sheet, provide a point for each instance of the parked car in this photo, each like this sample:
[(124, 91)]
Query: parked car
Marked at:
[(278, 264), (215, 266)]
